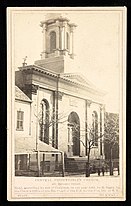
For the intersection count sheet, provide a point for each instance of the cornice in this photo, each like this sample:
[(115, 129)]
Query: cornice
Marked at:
[(57, 75)]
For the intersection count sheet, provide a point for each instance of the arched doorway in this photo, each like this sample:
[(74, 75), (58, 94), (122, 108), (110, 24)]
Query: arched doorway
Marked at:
[(73, 134)]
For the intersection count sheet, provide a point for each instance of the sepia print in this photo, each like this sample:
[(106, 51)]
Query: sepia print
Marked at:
[(66, 103)]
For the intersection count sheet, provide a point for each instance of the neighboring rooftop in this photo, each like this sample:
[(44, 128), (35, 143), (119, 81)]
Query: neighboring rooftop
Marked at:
[(20, 95)]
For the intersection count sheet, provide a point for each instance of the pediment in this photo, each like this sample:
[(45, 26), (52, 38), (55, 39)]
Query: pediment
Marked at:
[(79, 78)]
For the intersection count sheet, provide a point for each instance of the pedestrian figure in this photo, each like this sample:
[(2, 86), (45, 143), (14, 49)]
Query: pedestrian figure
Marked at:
[(103, 170), (94, 168), (106, 168), (98, 171)]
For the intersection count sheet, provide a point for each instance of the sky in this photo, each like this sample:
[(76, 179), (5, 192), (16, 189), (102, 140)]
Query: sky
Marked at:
[(97, 48)]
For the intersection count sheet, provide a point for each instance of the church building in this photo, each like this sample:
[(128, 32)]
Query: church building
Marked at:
[(55, 108)]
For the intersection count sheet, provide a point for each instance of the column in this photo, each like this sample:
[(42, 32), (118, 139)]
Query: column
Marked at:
[(53, 126), (88, 103), (72, 43), (64, 37), (57, 36), (43, 55), (61, 37), (65, 25)]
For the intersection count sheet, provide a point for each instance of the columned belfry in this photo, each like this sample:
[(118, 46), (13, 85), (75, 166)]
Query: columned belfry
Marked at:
[(58, 43)]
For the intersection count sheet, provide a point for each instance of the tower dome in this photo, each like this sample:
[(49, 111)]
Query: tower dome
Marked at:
[(50, 16)]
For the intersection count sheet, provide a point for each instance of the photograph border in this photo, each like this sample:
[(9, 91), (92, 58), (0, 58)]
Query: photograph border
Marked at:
[(10, 107)]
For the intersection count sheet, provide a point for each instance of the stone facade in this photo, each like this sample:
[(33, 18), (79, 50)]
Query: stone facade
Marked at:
[(72, 97)]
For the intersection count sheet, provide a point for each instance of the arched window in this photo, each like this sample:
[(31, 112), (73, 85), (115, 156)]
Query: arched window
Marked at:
[(67, 40), (73, 134), (44, 121), (95, 127), (52, 41)]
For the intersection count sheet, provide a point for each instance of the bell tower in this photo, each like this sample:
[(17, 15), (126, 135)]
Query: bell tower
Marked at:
[(58, 43)]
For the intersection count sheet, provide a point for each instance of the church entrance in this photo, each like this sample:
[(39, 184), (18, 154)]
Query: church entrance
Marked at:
[(73, 134)]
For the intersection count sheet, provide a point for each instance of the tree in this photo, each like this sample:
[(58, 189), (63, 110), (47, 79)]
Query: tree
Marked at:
[(94, 137), (111, 138), (45, 119)]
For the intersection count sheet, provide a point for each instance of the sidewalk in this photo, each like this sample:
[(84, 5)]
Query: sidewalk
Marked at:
[(106, 174)]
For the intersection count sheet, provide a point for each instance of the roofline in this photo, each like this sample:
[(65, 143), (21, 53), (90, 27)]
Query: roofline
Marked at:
[(39, 68), (60, 19), (88, 81), (29, 101), (52, 20), (58, 75)]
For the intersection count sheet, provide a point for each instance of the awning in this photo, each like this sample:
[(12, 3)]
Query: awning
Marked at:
[(27, 145)]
